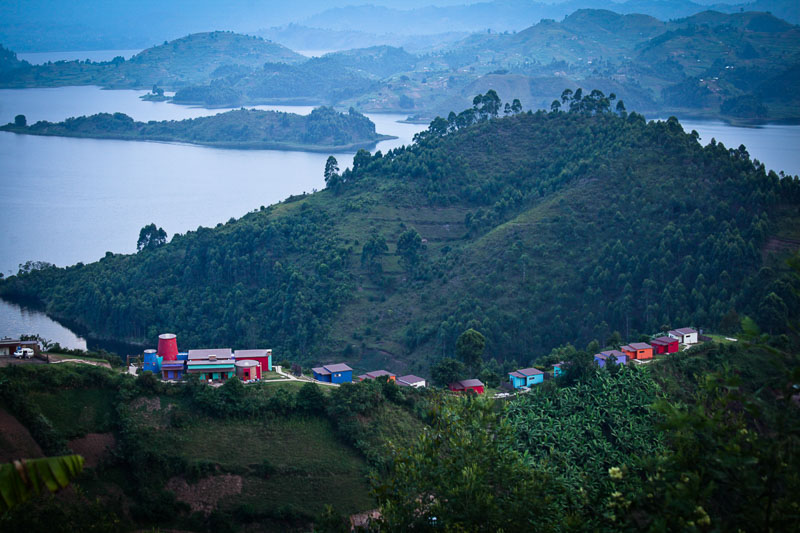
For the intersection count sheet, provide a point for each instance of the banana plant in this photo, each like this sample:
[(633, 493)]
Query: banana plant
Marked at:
[(26, 478)]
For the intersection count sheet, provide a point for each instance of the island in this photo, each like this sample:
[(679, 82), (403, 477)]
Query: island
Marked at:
[(323, 130)]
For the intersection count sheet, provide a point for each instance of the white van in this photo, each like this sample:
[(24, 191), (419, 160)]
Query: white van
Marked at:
[(23, 353)]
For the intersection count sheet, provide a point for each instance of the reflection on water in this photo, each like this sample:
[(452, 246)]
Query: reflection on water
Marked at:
[(16, 321)]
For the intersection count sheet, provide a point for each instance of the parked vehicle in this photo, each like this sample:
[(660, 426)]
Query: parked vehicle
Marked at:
[(23, 353)]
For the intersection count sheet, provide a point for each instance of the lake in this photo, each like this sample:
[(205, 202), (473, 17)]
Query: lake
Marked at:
[(68, 200)]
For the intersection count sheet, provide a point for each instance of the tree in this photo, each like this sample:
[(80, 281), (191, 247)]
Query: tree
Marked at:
[(361, 160), (373, 249), (331, 172), (446, 371), (516, 106), (464, 475), (311, 399), (408, 246), (773, 313), (469, 347), (20, 121), (151, 237)]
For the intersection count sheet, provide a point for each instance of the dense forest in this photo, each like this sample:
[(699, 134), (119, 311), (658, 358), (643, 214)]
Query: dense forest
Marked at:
[(535, 229), (324, 129)]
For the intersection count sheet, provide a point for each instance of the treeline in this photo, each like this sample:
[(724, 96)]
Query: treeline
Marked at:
[(244, 128)]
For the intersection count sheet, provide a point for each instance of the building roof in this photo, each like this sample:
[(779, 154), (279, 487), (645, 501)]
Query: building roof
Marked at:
[(411, 379), (221, 353), (321, 370), (684, 331), (247, 363), (338, 367), (663, 340), (468, 383), (18, 342), (637, 346), (243, 354), (530, 372), (375, 374), (614, 353), (517, 374)]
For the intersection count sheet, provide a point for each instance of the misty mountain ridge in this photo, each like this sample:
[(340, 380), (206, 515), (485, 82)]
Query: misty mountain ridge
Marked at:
[(52, 25)]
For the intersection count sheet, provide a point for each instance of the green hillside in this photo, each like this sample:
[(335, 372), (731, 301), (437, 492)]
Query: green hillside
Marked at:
[(189, 60), (329, 79), (322, 130), (266, 457), (535, 229)]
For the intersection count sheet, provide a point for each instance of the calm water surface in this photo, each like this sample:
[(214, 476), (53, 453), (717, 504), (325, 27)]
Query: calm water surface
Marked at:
[(68, 200)]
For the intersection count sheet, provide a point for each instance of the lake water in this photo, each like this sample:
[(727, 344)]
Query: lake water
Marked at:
[(68, 200)]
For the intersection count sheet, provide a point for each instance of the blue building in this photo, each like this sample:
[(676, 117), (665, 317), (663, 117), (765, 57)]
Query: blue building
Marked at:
[(557, 370), (525, 377), (152, 362), (336, 373), (601, 358)]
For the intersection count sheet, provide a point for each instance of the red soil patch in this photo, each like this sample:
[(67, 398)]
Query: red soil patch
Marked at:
[(15, 440), (93, 447), (204, 495)]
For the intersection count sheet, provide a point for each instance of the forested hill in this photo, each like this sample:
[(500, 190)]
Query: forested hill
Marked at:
[(536, 229), (191, 59), (324, 129)]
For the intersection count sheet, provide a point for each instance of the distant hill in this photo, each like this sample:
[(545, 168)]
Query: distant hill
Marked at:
[(535, 229), (515, 15), (191, 59), (298, 37), (322, 130), (58, 25), (329, 79)]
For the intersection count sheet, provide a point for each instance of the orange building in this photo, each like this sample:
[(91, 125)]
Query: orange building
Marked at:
[(638, 350)]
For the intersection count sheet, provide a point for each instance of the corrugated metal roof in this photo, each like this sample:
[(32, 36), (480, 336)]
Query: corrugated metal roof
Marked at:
[(410, 379), (221, 353), (663, 340), (530, 372), (338, 367), (684, 331), (321, 370), (239, 354), (516, 375), (615, 353), (470, 383)]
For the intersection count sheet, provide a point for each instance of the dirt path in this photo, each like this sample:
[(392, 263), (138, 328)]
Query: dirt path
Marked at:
[(15, 440), (104, 364)]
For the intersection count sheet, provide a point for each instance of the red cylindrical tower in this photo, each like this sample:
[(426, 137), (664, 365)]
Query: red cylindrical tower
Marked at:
[(168, 347)]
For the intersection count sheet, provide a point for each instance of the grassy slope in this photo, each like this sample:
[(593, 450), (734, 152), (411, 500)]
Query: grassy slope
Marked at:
[(76, 412)]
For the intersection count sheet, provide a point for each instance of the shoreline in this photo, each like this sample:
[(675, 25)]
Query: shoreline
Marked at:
[(224, 145)]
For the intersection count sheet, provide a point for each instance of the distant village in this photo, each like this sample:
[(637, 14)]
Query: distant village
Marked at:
[(219, 365)]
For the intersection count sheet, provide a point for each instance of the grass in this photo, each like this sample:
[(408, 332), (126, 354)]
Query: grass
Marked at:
[(311, 467), (722, 339), (76, 412), (265, 376)]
